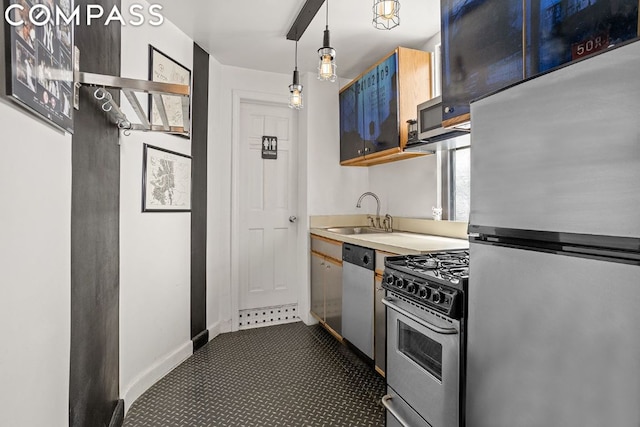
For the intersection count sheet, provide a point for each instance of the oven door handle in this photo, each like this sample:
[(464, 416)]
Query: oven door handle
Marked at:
[(444, 331), (386, 402)]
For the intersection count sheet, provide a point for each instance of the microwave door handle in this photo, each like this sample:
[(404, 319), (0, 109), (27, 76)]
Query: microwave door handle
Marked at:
[(386, 402), (444, 331)]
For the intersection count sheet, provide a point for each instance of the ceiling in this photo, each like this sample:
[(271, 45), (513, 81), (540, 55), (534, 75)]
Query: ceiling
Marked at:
[(252, 33)]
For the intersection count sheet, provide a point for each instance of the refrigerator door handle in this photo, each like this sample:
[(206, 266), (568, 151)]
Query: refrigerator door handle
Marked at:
[(444, 331)]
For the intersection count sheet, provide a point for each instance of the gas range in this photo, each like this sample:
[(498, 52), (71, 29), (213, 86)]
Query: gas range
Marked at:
[(426, 338), (437, 280)]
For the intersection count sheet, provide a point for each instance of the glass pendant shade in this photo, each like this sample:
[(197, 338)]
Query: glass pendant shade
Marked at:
[(295, 88), (327, 65), (295, 96), (386, 14)]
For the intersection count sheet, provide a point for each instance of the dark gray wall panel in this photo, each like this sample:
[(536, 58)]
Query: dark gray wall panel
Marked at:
[(94, 369), (200, 118)]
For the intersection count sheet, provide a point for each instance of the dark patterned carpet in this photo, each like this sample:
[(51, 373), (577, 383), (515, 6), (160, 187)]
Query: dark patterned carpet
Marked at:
[(288, 375)]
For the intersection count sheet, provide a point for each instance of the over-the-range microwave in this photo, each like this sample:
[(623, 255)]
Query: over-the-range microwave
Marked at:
[(432, 136)]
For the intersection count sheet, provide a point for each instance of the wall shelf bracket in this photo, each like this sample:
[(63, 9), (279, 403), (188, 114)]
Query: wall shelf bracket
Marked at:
[(130, 87)]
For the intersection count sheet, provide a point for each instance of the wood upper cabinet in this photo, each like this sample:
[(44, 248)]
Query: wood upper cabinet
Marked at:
[(375, 107)]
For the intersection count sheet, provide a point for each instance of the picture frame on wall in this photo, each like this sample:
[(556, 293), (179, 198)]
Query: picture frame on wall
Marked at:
[(163, 68), (37, 62), (166, 180)]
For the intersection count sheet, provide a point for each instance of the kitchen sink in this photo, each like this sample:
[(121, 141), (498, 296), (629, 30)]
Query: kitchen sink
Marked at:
[(355, 230)]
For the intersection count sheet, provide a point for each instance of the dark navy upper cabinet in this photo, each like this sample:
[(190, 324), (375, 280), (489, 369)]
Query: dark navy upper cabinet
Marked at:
[(381, 128), (481, 51), (369, 112), (375, 106), (351, 145), (561, 31)]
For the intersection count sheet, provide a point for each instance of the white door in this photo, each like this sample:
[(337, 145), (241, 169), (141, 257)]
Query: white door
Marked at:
[(268, 198)]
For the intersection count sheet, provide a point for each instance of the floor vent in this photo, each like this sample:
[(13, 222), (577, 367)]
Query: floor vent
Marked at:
[(268, 316)]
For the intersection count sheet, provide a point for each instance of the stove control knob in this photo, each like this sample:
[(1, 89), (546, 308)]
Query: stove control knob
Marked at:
[(436, 297), (411, 287), (424, 292), (400, 282), (389, 279)]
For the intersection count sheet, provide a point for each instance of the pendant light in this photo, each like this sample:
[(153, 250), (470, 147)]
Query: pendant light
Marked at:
[(386, 14), (327, 66), (295, 89)]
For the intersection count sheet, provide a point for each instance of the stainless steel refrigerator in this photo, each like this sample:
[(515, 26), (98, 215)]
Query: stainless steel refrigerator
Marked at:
[(554, 283)]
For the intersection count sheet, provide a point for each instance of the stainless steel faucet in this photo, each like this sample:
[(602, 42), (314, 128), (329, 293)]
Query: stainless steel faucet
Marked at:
[(387, 223), (369, 193)]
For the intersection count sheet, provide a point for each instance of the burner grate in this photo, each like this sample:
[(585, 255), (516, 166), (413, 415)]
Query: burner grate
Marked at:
[(449, 266)]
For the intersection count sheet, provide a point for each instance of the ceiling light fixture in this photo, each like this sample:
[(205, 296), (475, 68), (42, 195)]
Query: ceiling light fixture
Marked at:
[(327, 66), (386, 14), (295, 89)]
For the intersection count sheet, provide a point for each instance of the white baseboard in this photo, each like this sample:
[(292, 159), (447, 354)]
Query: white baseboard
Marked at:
[(226, 326), (308, 319), (155, 372), (214, 330)]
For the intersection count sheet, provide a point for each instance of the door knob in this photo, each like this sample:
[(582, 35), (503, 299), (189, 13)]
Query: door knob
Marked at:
[(293, 218)]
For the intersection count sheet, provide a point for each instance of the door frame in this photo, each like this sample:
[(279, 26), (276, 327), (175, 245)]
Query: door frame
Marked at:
[(240, 96)]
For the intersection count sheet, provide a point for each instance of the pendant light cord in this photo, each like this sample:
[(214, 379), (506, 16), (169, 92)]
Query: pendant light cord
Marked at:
[(296, 55), (327, 20)]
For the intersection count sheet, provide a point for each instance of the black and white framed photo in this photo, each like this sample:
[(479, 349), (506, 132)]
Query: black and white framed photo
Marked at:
[(166, 181), (164, 69), (38, 59)]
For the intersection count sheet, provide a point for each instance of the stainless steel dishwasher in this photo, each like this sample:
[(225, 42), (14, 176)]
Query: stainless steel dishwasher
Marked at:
[(358, 274)]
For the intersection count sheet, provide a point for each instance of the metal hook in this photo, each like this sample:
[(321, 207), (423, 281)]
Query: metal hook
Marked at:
[(124, 124), (99, 94), (107, 106)]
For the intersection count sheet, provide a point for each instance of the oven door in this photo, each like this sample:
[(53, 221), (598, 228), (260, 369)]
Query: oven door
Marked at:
[(423, 361)]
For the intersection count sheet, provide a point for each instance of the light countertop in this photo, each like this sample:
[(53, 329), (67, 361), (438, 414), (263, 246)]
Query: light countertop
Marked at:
[(398, 242)]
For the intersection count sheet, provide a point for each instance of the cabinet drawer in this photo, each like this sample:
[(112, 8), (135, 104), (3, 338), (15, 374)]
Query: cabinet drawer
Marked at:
[(328, 247)]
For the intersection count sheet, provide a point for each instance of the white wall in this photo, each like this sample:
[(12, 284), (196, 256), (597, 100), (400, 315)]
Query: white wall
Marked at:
[(218, 201), (430, 45), (333, 189), (406, 188), (155, 248), (35, 254)]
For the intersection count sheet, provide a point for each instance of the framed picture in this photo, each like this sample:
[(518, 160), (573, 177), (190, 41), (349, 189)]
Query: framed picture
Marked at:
[(166, 181), (164, 69), (37, 65)]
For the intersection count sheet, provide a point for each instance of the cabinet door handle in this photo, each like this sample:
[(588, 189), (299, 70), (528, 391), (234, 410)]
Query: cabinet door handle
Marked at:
[(366, 150), (359, 151)]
